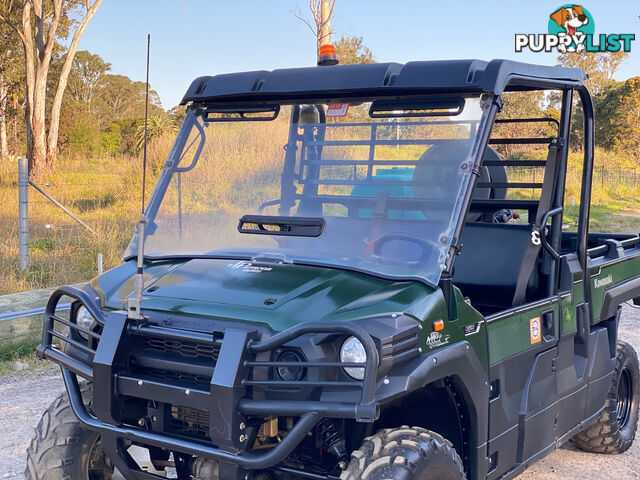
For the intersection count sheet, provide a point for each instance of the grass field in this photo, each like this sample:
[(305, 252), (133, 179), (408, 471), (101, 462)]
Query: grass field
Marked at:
[(23, 352), (105, 193)]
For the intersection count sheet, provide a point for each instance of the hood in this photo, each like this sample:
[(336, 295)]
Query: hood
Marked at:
[(274, 294)]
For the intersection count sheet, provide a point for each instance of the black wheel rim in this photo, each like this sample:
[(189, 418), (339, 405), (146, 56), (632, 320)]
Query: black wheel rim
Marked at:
[(97, 468), (625, 394)]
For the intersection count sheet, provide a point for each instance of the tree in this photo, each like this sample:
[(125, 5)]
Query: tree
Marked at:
[(10, 76), (599, 66), (625, 128), (157, 126), (87, 72), (111, 139), (320, 26), (606, 107), (519, 105), (120, 98), (39, 27), (352, 50)]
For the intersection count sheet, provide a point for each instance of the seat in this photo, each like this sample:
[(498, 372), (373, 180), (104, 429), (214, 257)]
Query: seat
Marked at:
[(487, 268), (441, 162)]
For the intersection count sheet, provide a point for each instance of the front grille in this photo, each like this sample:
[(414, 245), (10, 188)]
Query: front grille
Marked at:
[(180, 377), (187, 349), (189, 422), (180, 362)]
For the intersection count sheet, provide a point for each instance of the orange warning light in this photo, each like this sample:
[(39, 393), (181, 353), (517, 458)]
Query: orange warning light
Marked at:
[(327, 55)]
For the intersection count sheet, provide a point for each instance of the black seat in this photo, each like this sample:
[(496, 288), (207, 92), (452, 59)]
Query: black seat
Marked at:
[(487, 268)]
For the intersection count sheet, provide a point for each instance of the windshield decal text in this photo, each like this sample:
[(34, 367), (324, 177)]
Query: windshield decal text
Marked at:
[(249, 267)]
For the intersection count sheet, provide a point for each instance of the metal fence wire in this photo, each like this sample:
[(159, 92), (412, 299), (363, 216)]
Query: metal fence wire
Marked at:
[(71, 217)]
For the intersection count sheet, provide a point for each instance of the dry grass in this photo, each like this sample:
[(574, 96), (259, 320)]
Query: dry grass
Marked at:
[(240, 167), (105, 193)]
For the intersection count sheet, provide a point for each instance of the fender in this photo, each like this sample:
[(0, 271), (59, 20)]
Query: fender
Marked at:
[(459, 363), (618, 294)]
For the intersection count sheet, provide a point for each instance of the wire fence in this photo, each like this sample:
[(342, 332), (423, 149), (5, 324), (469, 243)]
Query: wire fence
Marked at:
[(78, 224)]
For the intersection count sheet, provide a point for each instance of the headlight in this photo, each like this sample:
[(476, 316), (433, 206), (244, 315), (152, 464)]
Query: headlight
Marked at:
[(84, 319), (292, 374), (352, 351)]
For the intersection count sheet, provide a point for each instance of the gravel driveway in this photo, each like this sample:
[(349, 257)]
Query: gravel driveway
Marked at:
[(23, 398)]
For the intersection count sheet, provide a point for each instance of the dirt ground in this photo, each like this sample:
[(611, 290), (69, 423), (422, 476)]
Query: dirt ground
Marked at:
[(24, 397)]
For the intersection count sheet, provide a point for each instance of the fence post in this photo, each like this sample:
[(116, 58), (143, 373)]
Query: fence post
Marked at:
[(23, 213)]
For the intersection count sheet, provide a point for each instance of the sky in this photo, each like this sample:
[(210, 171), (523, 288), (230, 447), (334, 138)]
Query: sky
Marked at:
[(191, 38)]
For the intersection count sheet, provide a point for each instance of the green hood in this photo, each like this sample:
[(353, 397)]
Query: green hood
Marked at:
[(277, 295)]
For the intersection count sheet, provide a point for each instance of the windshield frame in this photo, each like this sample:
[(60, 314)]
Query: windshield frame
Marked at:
[(479, 140)]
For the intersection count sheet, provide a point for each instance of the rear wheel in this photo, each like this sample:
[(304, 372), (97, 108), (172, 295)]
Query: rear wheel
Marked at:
[(405, 453), (63, 449), (615, 429)]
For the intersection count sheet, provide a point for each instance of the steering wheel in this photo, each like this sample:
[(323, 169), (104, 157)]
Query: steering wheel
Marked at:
[(378, 243)]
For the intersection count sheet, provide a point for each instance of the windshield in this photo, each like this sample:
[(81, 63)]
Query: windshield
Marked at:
[(375, 187)]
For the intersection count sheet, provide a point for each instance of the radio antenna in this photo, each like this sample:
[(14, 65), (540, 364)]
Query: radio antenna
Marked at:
[(146, 120), (134, 302)]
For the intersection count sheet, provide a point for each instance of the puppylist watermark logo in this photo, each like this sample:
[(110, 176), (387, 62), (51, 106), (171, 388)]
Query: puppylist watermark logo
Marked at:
[(572, 30)]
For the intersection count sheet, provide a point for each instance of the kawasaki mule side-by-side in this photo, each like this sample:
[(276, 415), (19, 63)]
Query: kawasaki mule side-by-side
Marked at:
[(350, 272)]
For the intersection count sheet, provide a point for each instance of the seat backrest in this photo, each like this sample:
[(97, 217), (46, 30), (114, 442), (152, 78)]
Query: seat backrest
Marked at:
[(489, 262)]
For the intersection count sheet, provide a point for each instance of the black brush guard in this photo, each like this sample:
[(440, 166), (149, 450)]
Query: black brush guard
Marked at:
[(226, 400)]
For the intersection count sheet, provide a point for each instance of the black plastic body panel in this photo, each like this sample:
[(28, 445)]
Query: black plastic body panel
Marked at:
[(378, 79)]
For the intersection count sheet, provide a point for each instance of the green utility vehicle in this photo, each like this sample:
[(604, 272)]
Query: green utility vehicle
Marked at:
[(353, 272)]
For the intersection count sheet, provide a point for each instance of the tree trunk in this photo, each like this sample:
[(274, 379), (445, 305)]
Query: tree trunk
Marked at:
[(38, 158), (4, 144), (54, 121), (29, 68), (38, 32), (16, 150), (45, 40)]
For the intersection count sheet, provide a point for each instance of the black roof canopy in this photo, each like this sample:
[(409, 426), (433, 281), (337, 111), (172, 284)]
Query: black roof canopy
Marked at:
[(378, 79)]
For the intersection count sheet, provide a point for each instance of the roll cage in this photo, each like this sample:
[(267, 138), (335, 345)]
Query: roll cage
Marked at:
[(458, 77)]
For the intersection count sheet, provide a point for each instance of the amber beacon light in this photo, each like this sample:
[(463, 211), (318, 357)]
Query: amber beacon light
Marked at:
[(327, 56)]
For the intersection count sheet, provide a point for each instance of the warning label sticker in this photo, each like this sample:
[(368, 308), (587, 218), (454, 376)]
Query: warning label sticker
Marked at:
[(338, 110), (534, 329)]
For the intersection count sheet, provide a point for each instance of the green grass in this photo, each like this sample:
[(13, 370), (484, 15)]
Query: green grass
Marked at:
[(24, 352), (17, 351), (618, 216)]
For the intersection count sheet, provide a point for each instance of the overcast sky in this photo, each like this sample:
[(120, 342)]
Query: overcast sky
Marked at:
[(191, 38)]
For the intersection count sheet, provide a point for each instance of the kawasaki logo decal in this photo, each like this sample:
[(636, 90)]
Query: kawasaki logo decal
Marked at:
[(601, 282)]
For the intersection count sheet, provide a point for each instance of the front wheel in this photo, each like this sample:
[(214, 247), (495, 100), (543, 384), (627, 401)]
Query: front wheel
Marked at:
[(615, 428), (63, 449), (405, 453)]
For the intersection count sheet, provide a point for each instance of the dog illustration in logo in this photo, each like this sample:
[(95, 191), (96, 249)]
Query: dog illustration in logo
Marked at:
[(570, 18)]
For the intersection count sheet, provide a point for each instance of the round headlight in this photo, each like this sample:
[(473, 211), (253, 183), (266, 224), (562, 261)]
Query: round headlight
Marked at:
[(352, 351), (84, 319), (291, 374)]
